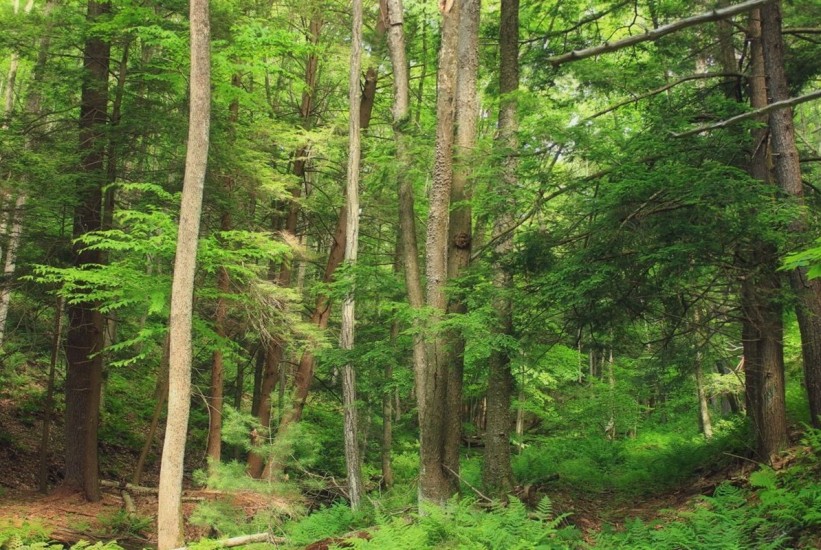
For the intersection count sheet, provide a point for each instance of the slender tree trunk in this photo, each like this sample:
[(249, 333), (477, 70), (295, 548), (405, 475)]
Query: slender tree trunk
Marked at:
[(346, 338), (497, 474), (86, 325), (703, 405), (169, 519), (160, 397), (788, 175), (48, 408), (10, 263)]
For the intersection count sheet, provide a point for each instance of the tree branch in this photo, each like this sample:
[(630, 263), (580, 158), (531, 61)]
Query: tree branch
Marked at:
[(655, 34), (753, 114), (662, 89)]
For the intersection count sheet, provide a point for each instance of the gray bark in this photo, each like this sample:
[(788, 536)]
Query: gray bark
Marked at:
[(169, 520)]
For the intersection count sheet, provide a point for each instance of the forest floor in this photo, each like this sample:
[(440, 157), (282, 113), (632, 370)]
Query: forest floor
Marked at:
[(69, 517)]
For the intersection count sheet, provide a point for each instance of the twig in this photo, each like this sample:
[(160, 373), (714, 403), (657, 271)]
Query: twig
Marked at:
[(475, 490), (745, 458)]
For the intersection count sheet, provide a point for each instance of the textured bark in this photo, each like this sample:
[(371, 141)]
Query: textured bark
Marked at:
[(407, 216), (85, 335), (169, 519), (10, 263), (347, 332), (434, 481), (497, 474), (788, 176), (459, 227), (762, 327)]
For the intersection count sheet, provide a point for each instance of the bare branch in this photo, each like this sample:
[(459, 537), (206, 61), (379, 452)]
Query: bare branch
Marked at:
[(752, 114), (662, 89), (655, 34)]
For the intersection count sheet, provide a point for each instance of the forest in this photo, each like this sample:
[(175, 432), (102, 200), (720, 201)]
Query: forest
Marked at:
[(406, 274)]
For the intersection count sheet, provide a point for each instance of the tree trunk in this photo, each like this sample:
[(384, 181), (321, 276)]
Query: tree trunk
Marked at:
[(10, 263), (434, 481), (48, 408), (169, 519), (346, 337), (703, 407), (762, 325), (85, 335), (160, 397), (788, 175), (497, 474)]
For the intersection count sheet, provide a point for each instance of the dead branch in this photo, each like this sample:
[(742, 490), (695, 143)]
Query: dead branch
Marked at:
[(655, 34), (662, 89), (245, 539), (130, 507), (752, 114)]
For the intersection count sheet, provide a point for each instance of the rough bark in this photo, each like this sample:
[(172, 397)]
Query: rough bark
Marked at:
[(434, 481), (459, 227), (85, 335), (762, 326), (703, 407), (407, 216), (788, 176), (497, 474), (347, 333), (10, 263), (169, 519)]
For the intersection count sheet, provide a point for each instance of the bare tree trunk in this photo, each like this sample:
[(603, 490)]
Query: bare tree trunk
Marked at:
[(346, 337), (407, 217), (10, 263), (160, 397), (788, 176), (48, 408), (459, 231), (703, 406), (434, 481), (86, 326), (497, 474), (762, 327), (169, 519)]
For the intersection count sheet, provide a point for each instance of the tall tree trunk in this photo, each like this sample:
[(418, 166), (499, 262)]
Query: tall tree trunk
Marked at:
[(346, 337), (86, 326), (434, 481), (497, 474), (762, 325), (459, 230), (169, 519), (788, 176)]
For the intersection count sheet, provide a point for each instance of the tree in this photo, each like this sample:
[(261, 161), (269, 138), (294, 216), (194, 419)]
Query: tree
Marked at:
[(85, 337), (169, 520), (497, 475), (346, 337)]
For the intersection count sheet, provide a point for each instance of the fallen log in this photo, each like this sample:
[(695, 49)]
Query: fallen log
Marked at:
[(244, 539)]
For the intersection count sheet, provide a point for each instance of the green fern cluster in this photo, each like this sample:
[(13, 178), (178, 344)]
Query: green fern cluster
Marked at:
[(35, 536), (461, 524)]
